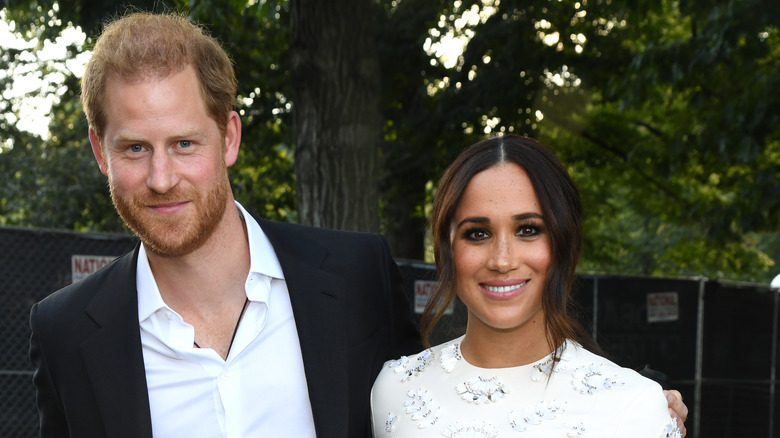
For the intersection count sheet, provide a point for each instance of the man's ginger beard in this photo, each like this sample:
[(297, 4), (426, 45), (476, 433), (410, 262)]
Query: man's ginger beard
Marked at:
[(174, 236)]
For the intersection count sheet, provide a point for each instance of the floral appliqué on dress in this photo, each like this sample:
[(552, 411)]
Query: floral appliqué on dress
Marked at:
[(450, 355), (671, 430), (476, 389), (575, 429), (588, 379), (481, 390), (471, 429), (390, 421), (545, 368), (535, 414), (409, 369), (422, 408)]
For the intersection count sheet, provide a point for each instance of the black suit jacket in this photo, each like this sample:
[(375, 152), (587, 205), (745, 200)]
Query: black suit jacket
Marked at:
[(350, 312)]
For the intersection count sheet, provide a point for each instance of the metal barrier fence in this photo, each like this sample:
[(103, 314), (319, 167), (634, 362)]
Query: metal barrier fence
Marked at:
[(33, 264), (715, 341)]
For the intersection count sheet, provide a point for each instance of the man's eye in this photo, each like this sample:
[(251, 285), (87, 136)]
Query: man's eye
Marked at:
[(136, 148), (185, 143)]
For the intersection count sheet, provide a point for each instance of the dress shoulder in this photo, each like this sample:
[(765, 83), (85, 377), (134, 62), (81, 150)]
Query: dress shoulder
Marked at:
[(571, 392)]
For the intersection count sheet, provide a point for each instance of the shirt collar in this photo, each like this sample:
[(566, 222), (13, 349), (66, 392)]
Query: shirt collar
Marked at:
[(262, 257), (149, 298), (262, 261)]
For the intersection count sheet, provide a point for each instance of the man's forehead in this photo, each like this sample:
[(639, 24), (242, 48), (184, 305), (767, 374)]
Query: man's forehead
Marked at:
[(140, 75)]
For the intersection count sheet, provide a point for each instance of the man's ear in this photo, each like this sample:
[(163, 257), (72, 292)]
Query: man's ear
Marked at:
[(232, 138), (98, 151)]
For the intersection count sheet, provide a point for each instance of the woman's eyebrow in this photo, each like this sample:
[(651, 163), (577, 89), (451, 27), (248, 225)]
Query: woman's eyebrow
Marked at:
[(531, 215), (474, 220), (486, 220)]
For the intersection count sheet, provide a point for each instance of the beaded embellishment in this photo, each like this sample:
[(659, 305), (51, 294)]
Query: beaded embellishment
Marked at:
[(471, 429), (422, 408), (589, 379), (545, 368), (450, 355), (390, 421), (535, 414), (575, 429), (480, 390), (671, 430), (409, 368)]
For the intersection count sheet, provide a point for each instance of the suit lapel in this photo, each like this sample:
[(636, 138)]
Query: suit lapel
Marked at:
[(318, 307), (114, 359), (113, 356)]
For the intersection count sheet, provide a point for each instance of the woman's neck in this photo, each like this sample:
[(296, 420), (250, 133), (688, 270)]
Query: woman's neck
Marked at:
[(487, 347)]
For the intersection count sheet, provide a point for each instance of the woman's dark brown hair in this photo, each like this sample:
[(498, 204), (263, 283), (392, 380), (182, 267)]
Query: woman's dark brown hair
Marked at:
[(562, 211)]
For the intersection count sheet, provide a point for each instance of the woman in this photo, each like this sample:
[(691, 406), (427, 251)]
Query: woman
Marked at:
[(507, 236)]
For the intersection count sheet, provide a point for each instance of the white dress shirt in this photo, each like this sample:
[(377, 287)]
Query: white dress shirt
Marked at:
[(259, 390)]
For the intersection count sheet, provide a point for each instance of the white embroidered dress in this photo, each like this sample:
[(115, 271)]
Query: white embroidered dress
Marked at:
[(437, 393)]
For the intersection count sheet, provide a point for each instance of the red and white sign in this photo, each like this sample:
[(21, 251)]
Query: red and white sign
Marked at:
[(663, 306), (83, 265), (423, 290)]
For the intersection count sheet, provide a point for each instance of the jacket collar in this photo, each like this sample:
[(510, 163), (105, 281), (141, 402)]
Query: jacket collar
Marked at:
[(112, 354), (317, 299)]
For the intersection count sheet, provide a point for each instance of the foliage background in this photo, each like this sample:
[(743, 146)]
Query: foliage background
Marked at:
[(666, 112)]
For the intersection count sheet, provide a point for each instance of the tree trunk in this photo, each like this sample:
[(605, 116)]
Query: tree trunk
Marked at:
[(337, 123)]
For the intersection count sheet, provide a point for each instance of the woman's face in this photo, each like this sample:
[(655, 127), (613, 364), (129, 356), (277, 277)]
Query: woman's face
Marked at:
[(501, 251)]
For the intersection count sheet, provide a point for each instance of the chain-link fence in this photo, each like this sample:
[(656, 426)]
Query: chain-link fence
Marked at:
[(715, 341), (33, 264)]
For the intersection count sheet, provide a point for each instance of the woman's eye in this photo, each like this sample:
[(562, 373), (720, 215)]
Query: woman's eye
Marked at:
[(528, 231), (477, 234), (185, 143)]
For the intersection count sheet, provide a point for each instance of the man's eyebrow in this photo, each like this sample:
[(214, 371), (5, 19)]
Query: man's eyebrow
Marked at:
[(190, 133)]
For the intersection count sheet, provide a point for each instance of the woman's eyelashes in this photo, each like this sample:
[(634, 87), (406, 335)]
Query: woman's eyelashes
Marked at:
[(524, 230), (529, 230), (476, 234)]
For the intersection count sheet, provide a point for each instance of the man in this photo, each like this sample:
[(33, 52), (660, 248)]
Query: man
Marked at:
[(218, 323)]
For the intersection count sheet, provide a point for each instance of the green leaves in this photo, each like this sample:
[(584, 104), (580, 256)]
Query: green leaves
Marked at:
[(667, 114)]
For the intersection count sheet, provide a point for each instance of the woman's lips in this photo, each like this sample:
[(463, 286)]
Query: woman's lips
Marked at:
[(504, 289)]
